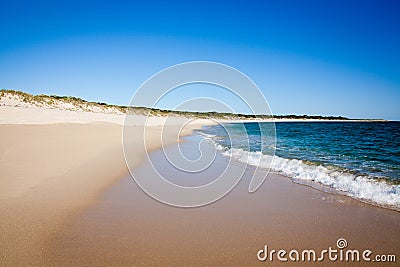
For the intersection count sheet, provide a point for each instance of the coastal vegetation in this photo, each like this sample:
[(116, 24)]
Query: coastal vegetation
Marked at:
[(75, 103)]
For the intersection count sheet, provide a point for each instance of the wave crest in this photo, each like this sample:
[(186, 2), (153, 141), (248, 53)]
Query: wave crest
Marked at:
[(361, 187)]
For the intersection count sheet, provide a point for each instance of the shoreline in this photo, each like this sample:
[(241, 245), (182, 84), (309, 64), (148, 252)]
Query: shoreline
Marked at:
[(328, 190), (281, 214), (328, 172), (57, 165)]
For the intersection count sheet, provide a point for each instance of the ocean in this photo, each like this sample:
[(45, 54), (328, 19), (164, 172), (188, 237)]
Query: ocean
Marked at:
[(358, 159)]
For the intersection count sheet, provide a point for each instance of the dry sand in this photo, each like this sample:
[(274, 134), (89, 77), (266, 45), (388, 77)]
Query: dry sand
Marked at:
[(49, 171)]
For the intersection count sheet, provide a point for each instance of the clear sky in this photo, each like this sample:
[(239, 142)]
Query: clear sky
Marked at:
[(308, 57)]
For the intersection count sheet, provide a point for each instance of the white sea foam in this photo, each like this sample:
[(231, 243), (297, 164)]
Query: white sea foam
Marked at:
[(206, 135), (361, 187)]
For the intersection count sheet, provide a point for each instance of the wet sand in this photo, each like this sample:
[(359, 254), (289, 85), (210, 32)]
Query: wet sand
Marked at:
[(127, 227)]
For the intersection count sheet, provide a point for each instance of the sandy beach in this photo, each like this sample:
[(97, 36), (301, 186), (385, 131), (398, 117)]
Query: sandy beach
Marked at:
[(50, 171), (67, 199), (127, 227), (196, 134)]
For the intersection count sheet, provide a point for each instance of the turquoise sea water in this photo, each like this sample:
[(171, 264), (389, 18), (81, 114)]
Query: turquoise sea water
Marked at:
[(360, 159)]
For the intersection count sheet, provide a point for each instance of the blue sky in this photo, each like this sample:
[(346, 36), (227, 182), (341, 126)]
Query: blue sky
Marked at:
[(308, 57)]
